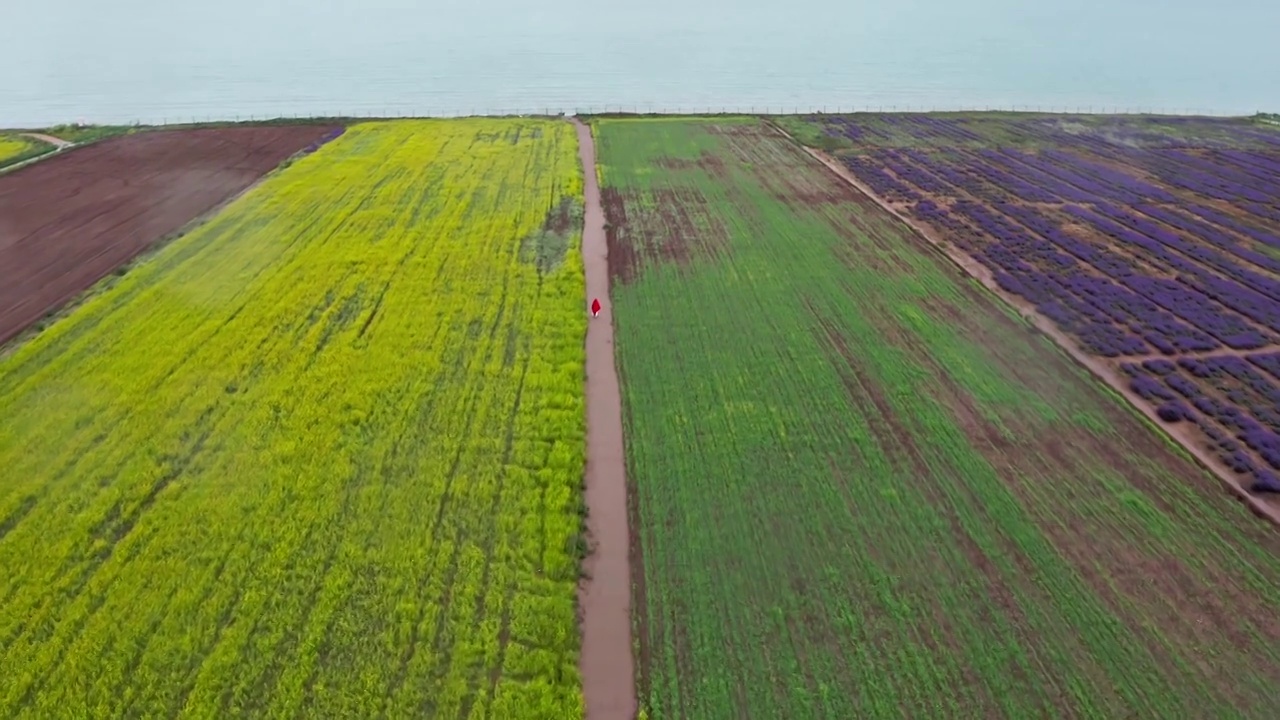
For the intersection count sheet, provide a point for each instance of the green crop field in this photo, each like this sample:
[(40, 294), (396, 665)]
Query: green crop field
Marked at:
[(865, 489), (321, 457)]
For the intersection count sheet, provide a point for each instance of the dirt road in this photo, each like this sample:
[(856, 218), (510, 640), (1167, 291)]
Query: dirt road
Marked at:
[(604, 596), (56, 142), (1182, 433)]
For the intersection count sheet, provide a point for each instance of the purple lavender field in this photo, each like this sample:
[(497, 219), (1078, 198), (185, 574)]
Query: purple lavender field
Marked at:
[(1154, 242)]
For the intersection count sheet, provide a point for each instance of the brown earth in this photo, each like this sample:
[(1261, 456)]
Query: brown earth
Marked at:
[(604, 596), (1184, 434), (69, 221), (623, 259)]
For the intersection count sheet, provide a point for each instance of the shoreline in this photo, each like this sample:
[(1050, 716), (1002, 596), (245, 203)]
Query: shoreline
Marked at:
[(621, 112)]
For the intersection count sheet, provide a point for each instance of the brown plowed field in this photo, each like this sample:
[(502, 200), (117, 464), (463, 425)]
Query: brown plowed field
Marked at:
[(69, 221)]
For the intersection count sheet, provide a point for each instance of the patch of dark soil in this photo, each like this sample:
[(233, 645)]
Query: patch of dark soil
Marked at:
[(810, 194), (547, 247), (675, 227), (639, 598), (687, 230), (623, 259), (706, 162), (754, 130), (562, 218)]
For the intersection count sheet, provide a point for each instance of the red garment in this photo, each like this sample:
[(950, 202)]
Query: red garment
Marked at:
[(595, 307)]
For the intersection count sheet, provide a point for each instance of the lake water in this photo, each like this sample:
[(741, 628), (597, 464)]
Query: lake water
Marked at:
[(160, 60)]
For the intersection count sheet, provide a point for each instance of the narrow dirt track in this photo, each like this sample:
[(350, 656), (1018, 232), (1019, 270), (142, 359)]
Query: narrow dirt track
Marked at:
[(1181, 434), (604, 596), (59, 143)]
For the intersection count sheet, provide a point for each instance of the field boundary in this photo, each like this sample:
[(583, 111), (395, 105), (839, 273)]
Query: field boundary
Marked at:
[(24, 163), (69, 306), (66, 308), (604, 594), (1038, 322), (54, 149)]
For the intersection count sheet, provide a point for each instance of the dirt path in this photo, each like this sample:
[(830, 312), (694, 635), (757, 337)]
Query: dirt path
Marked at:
[(604, 596), (59, 143), (1183, 433)]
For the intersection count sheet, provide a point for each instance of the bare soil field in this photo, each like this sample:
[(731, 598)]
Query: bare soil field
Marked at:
[(71, 220)]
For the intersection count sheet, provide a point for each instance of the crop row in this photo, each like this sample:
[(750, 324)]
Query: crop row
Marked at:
[(1233, 404), (321, 457), (1093, 132), (1213, 255), (1114, 304)]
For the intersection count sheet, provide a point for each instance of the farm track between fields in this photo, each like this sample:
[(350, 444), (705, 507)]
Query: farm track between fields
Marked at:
[(1114, 380), (72, 219), (608, 668), (57, 142)]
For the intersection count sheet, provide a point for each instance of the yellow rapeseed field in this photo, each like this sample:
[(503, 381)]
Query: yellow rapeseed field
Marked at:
[(320, 458), (12, 147)]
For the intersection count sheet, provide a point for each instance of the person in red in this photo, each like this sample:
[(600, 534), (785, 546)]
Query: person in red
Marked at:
[(595, 307)]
